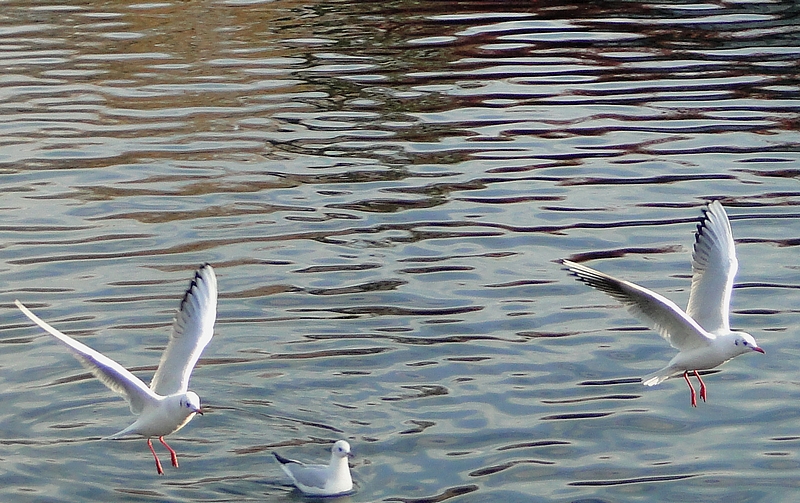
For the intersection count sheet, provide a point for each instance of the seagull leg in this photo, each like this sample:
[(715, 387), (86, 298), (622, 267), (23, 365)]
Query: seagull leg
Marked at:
[(691, 388), (702, 386), (174, 456), (158, 463)]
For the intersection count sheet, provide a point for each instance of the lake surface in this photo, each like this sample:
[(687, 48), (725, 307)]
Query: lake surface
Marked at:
[(383, 189)]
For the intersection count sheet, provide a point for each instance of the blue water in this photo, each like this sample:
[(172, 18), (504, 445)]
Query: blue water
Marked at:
[(383, 189)]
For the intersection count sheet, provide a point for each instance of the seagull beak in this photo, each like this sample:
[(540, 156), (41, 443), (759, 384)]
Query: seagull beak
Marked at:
[(759, 350), (200, 411)]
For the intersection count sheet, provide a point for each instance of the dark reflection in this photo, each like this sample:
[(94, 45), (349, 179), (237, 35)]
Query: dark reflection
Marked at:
[(490, 470), (330, 353), (373, 286), (419, 426), (539, 443), (443, 496), (611, 382), (450, 257), (595, 255), (434, 269), (593, 398), (141, 493), (523, 282), (779, 242), (661, 179), (579, 415), (637, 480), (414, 339), (422, 391), (394, 310), (536, 334), (336, 268), (388, 205)]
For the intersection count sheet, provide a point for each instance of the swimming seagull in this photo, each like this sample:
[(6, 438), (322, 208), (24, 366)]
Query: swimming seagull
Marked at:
[(321, 480), (702, 334), (167, 405)]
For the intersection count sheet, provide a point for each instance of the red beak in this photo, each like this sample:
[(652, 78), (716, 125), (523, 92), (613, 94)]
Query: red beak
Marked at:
[(759, 350)]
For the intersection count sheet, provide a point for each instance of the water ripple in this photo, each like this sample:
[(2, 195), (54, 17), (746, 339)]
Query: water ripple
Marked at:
[(385, 190)]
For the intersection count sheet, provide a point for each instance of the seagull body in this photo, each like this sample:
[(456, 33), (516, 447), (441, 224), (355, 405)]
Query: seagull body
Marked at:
[(321, 480), (166, 405), (702, 333)]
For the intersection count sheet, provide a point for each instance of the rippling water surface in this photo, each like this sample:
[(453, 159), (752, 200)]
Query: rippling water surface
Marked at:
[(383, 189)]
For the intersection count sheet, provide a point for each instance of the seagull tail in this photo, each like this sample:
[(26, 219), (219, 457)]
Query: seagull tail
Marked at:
[(127, 432), (658, 377), (281, 459)]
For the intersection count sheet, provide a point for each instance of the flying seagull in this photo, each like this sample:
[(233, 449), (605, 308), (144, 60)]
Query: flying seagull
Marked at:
[(166, 406), (702, 334)]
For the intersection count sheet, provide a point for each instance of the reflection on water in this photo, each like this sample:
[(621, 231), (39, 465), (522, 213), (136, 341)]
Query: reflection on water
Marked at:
[(383, 189)]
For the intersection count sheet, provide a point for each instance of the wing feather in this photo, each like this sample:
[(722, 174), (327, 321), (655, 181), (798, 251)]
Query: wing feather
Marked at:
[(714, 266), (658, 312), (109, 372), (303, 474), (191, 332)]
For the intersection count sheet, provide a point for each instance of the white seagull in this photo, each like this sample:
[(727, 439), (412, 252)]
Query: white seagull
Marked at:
[(167, 405), (321, 480), (702, 334)]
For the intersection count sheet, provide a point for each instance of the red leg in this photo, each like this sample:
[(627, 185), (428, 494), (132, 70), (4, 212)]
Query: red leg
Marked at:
[(702, 386), (694, 396), (174, 456), (158, 463)]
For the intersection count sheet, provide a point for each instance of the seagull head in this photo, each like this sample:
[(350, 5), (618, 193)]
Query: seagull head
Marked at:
[(341, 449), (191, 402), (746, 342)]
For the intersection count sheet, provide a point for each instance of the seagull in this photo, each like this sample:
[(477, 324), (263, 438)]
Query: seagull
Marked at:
[(702, 334), (166, 406), (321, 480)]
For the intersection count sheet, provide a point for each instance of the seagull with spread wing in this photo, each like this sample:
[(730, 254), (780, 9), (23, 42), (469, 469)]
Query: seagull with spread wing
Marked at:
[(702, 334), (167, 405)]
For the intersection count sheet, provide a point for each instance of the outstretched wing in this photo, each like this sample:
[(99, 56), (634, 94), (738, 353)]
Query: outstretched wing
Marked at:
[(110, 373), (658, 312), (191, 332), (714, 266)]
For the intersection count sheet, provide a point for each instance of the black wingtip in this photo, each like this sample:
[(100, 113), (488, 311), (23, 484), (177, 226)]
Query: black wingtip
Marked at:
[(703, 220), (566, 267), (192, 284), (281, 459), (198, 273), (581, 276)]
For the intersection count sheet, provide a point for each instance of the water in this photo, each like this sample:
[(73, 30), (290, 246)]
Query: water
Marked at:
[(383, 189)]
